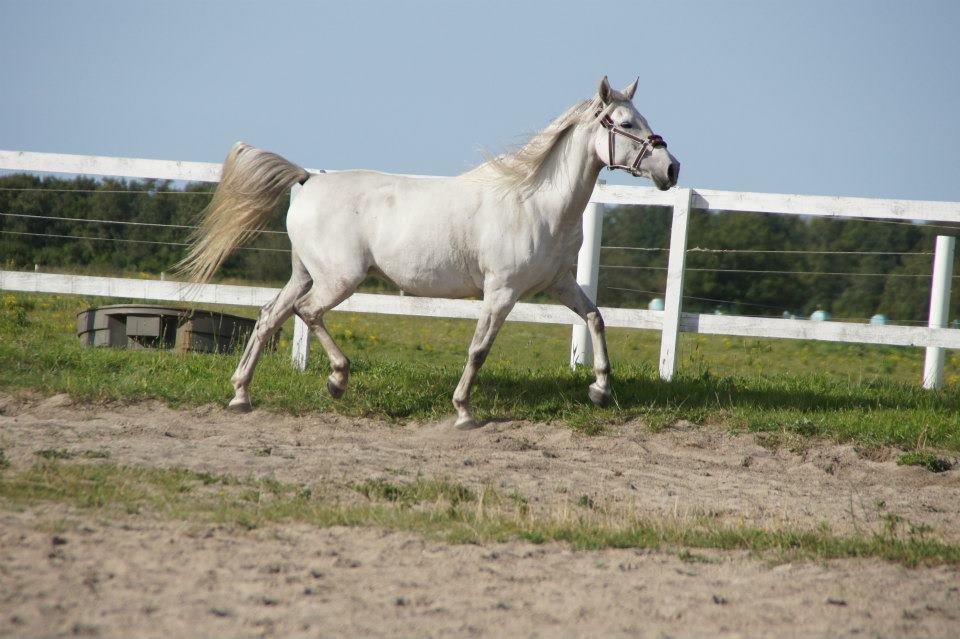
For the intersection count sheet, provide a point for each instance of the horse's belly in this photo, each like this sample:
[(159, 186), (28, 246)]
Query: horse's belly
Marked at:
[(429, 278), (424, 253)]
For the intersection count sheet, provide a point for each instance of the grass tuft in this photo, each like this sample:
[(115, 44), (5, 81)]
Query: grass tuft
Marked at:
[(54, 453), (63, 453), (930, 461), (416, 492)]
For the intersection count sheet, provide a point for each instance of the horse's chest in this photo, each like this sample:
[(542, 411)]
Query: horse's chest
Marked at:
[(560, 247), (538, 258)]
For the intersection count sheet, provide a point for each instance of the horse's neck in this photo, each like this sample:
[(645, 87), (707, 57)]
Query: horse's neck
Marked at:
[(567, 181)]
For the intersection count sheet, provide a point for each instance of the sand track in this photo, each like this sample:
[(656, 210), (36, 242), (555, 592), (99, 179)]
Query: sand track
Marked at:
[(146, 577)]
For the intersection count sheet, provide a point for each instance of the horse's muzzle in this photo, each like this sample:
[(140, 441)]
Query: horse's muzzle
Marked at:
[(673, 173)]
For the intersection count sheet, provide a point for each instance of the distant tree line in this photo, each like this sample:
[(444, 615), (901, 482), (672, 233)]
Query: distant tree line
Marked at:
[(883, 279)]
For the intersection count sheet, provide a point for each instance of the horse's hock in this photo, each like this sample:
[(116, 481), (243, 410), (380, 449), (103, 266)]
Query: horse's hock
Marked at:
[(145, 326)]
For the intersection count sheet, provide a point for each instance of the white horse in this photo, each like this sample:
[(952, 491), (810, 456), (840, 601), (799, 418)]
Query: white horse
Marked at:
[(510, 227)]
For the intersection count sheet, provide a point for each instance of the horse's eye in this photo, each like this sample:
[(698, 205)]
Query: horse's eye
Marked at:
[(626, 125)]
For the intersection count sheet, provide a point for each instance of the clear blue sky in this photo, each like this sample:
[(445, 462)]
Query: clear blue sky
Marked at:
[(827, 97)]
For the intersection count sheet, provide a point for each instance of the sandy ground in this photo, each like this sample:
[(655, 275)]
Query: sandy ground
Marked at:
[(68, 572)]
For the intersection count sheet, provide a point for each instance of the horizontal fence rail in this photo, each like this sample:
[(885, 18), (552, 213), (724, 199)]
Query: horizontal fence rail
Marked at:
[(706, 324), (671, 321), (817, 205)]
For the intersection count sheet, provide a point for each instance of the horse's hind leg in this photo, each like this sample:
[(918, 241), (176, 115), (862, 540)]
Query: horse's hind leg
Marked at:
[(271, 317), (311, 308)]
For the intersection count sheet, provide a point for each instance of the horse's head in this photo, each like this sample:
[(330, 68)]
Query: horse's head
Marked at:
[(625, 141)]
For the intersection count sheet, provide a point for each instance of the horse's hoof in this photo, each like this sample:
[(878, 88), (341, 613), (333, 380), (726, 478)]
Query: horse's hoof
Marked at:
[(466, 423), (335, 391), (600, 397), (239, 407)]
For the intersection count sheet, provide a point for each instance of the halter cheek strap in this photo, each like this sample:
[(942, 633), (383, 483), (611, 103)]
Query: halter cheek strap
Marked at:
[(652, 141)]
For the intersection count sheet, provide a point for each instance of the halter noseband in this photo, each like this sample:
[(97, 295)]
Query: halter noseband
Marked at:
[(652, 141)]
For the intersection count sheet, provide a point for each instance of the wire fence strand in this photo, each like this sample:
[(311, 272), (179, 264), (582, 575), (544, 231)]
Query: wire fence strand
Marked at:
[(695, 297), (752, 304), (80, 219), (137, 191), (697, 249), (766, 272), (122, 239)]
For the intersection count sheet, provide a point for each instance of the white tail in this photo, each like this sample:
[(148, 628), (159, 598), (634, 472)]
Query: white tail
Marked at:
[(252, 183)]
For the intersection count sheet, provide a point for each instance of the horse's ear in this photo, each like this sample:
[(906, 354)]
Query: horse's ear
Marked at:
[(630, 90), (605, 90)]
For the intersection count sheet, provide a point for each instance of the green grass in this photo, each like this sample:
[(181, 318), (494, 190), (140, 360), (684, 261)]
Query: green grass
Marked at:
[(407, 368), (415, 492), (436, 508), (62, 453), (933, 463)]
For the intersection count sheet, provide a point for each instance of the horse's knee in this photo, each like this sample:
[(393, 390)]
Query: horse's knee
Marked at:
[(308, 308), (596, 319), (309, 315)]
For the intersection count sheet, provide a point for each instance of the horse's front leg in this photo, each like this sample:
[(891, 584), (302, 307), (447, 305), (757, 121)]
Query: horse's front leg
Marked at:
[(569, 293), (496, 306)]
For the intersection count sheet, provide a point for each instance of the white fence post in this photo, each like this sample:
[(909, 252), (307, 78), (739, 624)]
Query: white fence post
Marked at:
[(673, 298), (939, 307), (588, 273), (301, 332)]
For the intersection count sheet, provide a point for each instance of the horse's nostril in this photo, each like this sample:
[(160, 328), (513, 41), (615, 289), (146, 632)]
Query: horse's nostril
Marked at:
[(673, 172)]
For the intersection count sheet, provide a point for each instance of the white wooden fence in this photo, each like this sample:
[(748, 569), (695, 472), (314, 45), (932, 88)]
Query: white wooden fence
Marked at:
[(671, 321)]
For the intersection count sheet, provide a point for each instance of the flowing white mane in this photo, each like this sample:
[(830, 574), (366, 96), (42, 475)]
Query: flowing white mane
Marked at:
[(523, 170)]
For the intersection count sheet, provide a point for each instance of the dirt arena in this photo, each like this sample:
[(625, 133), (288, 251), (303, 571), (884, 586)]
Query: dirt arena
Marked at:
[(68, 572)]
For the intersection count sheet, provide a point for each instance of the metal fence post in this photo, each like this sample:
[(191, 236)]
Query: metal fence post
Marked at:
[(588, 273), (939, 307), (301, 332), (673, 298)]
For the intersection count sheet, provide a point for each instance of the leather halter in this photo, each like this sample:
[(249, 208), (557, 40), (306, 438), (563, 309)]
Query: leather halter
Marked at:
[(652, 141)]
